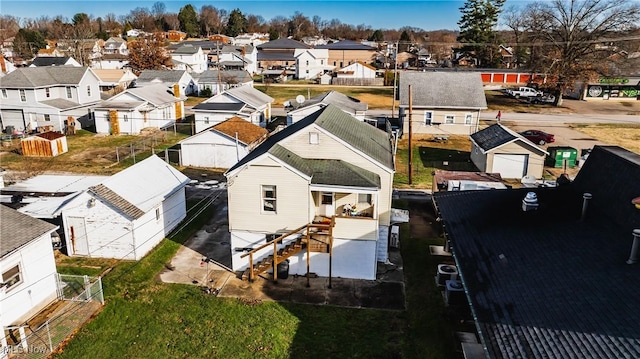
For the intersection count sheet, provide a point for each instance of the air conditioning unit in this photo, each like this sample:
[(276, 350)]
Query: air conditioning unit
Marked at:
[(394, 240), (446, 272), (454, 293)]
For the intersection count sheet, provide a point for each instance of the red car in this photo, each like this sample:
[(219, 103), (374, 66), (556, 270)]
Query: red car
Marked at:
[(537, 136)]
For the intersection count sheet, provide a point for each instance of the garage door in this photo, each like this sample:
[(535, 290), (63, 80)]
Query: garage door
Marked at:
[(12, 118), (510, 166)]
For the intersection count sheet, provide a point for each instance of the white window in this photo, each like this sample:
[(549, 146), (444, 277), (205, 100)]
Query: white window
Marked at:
[(23, 96), (307, 62), (428, 118), (314, 138), (125, 117), (89, 90), (449, 119), (321, 62), (157, 214), (4, 93), (12, 277), (206, 120), (468, 118), (69, 92), (47, 92), (268, 198), (364, 198), (47, 117)]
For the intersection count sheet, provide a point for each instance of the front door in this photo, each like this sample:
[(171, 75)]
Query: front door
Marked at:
[(78, 234)]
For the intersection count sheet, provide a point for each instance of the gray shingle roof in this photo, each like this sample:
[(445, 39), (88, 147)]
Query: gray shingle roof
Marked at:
[(497, 135), (35, 77), (60, 103), (344, 102), (186, 49), (49, 61), (435, 89), (17, 229), (276, 56), (157, 94), (346, 45), (250, 96), (328, 171), (171, 76), (283, 43), (215, 106), (109, 196), (544, 284), (360, 135)]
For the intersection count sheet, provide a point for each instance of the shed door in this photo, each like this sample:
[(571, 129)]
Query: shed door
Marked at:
[(78, 234), (510, 166)]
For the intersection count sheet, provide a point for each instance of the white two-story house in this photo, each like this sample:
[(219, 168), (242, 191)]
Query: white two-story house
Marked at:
[(50, 97), (326, 167), (115, 45), (310, 63), (190, 58)]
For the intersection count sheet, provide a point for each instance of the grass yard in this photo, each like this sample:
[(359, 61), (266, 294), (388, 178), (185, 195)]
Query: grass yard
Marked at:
[(144, 318), (376, 97), (428, 156), (88, 154), (626, 136)]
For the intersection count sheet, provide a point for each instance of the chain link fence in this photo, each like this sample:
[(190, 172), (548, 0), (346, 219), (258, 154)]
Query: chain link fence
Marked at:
[(79, 298)]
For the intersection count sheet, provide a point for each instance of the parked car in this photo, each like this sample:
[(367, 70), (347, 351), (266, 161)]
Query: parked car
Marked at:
[(537, 136), (546, 98)]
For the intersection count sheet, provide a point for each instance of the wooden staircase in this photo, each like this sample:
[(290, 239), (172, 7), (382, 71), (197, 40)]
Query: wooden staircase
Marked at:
[(315, 237)]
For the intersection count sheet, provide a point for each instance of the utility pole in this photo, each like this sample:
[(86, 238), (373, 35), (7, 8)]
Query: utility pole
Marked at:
[(395, 73), (410, 147)]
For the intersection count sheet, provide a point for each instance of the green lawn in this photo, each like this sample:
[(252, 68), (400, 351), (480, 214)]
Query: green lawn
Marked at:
[(144, 318)]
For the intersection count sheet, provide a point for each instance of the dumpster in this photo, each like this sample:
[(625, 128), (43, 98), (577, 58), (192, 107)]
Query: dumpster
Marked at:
[(559, 155)]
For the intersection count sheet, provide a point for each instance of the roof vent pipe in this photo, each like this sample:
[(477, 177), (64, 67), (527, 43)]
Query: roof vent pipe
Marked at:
[(530, 202), (586, 197), (633, 258)]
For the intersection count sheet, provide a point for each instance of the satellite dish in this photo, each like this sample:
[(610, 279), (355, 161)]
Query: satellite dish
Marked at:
[(299, 99)]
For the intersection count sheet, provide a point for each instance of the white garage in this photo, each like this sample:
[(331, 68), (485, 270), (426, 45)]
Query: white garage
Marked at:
[(13, 118), (497, 149), (222, 145)]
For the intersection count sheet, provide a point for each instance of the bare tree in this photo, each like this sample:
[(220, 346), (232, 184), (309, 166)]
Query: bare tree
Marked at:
[(210, 20), (9, 26), (574, 32)]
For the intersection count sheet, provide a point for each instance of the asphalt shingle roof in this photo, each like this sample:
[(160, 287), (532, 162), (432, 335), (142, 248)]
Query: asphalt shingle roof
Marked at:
[(17, 229), (49, 61), (171, 76), (436, 89), (250, 96), (231, 76), (106, 194), (360, 135), (215, 106), (328, 171), (246, 131), (341, 100), (35, 77), (544, 284), (346, 45), (186, 49), (497, 135), (284, 44)]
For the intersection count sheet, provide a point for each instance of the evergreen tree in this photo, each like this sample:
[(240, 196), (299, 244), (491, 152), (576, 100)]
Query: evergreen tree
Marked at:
[(377, 36), (27, 43), (405, 42), (237, 23), (189, 21), (273, 34), (479, 17)]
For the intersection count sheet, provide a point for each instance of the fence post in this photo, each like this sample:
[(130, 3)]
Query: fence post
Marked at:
[(133, 153), (166, 155), (117, 155), (49, 336), (99, 283), (175, 130), (87, 288)]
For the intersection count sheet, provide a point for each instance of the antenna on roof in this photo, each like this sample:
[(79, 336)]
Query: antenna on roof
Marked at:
[(300, 99)]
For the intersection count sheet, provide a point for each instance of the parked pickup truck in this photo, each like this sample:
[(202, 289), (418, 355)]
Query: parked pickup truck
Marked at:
[(546, 98), (523, 92)]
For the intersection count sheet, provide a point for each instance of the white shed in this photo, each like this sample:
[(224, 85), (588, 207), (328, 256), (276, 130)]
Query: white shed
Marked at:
[(222, 145), (27, 265), (128, 214)]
